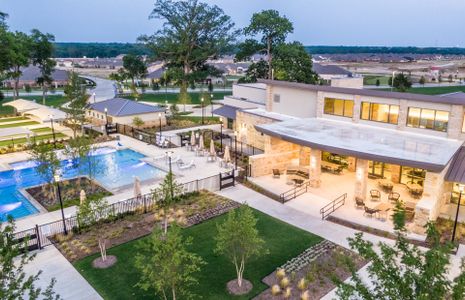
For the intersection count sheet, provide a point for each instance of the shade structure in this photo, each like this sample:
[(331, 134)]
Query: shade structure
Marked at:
[(227, 155), (137, 189), (82, 197), (192, 138), (212, 147), (201, 143)]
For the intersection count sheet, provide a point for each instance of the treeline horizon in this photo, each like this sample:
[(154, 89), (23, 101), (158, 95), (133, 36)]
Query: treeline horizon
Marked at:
[(105, 50)]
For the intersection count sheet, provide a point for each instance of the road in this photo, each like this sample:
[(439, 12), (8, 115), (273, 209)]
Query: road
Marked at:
[(105, 89)]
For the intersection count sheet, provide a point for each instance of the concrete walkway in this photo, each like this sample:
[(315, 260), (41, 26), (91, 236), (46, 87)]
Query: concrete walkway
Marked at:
[(330, 231), (70, 284)]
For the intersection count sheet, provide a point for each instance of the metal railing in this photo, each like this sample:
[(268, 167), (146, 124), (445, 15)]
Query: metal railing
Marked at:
[(331, 207), (294, 193)]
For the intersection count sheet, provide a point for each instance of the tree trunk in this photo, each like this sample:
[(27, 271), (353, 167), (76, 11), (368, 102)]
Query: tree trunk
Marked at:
[(44, 88), (173, 290), (268, 53), (165, 224), (16, 95)]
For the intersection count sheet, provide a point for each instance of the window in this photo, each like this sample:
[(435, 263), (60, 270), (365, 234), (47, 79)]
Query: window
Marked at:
[(428, 118), (339, 107), (412, 175), (276, 98), (378, 112)]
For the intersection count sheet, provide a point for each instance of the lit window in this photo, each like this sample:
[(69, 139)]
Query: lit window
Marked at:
[(339, 107), (428, 119), (384, 113)]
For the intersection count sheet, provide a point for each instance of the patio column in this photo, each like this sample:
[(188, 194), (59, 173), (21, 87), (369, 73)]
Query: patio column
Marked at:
[(315, 167), (395, 173), (352, 163), (361, 178), (304, 157)]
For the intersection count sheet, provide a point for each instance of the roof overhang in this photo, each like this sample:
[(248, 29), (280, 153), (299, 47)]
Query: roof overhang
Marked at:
[(456, 172), (367, 142), (226, 111)]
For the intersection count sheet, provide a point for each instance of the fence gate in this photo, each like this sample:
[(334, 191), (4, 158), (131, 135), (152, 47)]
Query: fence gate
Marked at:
[(29, 238), (227, 180), (111, 128)]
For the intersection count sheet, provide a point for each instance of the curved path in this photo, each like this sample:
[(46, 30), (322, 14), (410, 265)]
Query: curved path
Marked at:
[(104, 89)]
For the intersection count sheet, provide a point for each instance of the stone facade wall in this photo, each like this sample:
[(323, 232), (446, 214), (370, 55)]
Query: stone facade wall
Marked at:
[(269, 98), (403, 112), (455, 122), (304, 156), (361, 178), (357, 109), (395, 173), (246, 128)]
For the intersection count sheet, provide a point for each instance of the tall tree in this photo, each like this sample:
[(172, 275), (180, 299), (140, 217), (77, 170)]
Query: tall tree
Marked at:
[(192, 33), (270, 30), (401, 82), (135, 68), (167, 266), (293, 63), (48, 164), (75, 92), (19, 57), (403, 271), (14, 282), (238, 239), (42, 52)]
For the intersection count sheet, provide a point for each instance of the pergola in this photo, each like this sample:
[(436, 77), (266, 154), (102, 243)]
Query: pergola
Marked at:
[(41, 112)]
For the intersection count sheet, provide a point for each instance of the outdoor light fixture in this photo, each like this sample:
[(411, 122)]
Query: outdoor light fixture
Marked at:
[(169, 154), (93, 94), (57, 178), (201, 100), (221, 134), (461, 189), (235, 149), (159, 119), (53, 131)]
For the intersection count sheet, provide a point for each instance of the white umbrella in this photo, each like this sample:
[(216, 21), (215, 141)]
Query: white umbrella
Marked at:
[(201, 143), (192, 138), (82, 197), (137, 190), (212, 147), (227, 155)]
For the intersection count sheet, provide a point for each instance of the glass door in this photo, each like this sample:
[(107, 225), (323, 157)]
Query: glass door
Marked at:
[(377, 169)]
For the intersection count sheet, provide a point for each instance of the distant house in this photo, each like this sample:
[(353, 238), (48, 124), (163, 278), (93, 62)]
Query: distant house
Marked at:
[(31, 73), (123, 111), (337, 76)]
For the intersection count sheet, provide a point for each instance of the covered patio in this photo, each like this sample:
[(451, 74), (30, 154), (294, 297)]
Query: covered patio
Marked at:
[(415, 173)]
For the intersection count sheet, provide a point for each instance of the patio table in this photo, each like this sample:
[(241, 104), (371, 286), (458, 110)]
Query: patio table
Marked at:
[(329, 165), (385, 183), (383, 208), (415, 187)]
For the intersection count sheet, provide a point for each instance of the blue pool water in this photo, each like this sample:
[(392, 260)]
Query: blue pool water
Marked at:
[(117, 168)]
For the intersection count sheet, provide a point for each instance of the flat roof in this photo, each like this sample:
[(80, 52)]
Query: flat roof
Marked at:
[(367, 92), (366, 142), (124, 107)]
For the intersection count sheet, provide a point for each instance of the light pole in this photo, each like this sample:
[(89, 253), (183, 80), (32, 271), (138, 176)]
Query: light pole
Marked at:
[(169, 153), (201, 101), (93, 94), (392, 81), (159, 118), (235, 150), (211, 102), (461, 188), (53, 131), (221, 134), (106, 121), (57, 178)]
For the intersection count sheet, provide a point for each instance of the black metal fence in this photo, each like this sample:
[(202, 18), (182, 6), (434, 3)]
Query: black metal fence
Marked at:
[(40, 235), (145, 136)]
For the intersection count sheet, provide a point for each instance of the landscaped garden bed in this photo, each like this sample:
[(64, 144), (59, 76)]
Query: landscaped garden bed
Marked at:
[(445, 228), (282, 240), (192, 209), (311, 273), (70, 192)]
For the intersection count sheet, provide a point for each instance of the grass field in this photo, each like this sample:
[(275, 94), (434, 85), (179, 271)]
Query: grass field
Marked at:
[(13, 119), (371, 80), (435, 90), (19, 124), (282, 240), (38, 138), (173, 97), (51, 100)]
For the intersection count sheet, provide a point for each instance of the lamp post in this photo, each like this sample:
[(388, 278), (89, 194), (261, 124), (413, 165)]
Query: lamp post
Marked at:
[(106, 121), (93, 95), (57, 178), (169, 153), (201, 101), (159, 119), (461, 189), (221, 134), (211, 102), (53, 131), (235, 150)]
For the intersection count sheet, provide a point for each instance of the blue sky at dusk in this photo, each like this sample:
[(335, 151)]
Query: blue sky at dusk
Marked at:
[(316, 22)]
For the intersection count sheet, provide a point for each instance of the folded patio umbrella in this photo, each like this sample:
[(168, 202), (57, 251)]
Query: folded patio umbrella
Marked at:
[(201, 143), (137, 189), (212, 147), (227, 155), (82, 197), (192, 138)]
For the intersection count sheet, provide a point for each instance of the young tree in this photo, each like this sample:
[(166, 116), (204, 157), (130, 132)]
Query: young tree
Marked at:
[(137, 122), (450, 78), (135, 68), (403, 271), (378, 83), (14, 282), (192, 33), (401, 82), (75, 92), (78, 149), (27, 88), (272, 30), (48, 164), (93, 165), (167, 266), (422, 80), (166, 195), (42, 53), (19, 57), (239, 240)]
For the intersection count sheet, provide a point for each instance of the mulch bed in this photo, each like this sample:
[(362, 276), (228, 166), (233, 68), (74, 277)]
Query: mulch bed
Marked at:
[(234, 288), (70, 192), (131, 227), (98, 263), (318, 275)]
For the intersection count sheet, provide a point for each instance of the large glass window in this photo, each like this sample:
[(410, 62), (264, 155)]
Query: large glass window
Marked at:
[(456, 195), (378, 112), (379, 170), (412, 175), (335, 158), (428, 118), (339, 107)]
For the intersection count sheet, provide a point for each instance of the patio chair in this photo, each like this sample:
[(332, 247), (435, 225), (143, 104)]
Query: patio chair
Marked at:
[(393, 197), (370, 211), (180, 163), (359, 202), (339, 170), (276, 173), (160, 157), (188, 166), (375, 195)]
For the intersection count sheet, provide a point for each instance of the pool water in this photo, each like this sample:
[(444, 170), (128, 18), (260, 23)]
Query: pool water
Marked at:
[(116, 168)]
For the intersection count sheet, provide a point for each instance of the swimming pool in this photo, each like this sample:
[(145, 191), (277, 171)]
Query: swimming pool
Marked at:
[(117, 168)]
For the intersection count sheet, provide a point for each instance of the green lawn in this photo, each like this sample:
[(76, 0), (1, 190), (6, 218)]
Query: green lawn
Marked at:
[(51, 100), (19, 124), (41, 130), (13, 119), (173, 97), (371, 80), (283, 241), (38, 138), (436, 90)]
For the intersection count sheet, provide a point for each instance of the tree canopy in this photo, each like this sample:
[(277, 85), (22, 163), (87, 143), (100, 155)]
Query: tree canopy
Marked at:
[(401, 82), (42, 53)]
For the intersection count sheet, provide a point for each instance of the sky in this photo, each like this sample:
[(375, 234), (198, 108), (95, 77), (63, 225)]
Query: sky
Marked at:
[(437, 23)]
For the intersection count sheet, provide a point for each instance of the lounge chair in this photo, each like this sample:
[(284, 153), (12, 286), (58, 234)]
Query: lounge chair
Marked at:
[(359, 202), (370, 211), (180, 163), (375, 195), (393, 197), (188, 166), (160, 157), (276, 173)]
